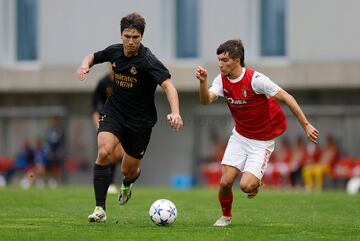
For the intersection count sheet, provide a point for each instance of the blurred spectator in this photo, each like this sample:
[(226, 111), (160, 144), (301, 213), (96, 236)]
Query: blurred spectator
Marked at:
[(102, 91), (356, 168), (297, 161), (55, 154), (6, 164), (329, 157), (343, 171), (211, 171), (40, 163), (311, 166), (323, 168), (36, 171), (24, 163), (278, 173)]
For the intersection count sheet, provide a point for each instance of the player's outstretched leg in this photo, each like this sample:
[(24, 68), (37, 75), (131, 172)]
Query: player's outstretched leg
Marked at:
[(225, 195), (225, 199), (99, 215)]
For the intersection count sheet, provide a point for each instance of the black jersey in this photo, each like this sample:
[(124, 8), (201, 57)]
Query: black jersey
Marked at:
[(102, 91), (134, 85)]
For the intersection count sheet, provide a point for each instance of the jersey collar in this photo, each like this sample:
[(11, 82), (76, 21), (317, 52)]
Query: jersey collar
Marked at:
[(238, 78)]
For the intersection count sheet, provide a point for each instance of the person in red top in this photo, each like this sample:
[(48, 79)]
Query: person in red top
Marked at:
[(252, 99), (297, 162), (278, 168), (321, 165)]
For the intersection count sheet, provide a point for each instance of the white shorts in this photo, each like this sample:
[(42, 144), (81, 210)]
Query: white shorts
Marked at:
[(248, 155)]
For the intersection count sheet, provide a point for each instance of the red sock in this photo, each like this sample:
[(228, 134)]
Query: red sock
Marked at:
[(226, 202)]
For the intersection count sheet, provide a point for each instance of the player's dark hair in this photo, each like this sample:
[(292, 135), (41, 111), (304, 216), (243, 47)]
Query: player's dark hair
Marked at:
[(133, 20), (234, 48)]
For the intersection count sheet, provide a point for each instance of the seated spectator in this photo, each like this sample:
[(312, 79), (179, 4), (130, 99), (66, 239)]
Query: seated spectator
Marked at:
[(277, 173), (55, 154), (343, 171), (6, 164), (297, 161), (324, 166), (211, 171), (40, 163), (24, 163), (329, 157), (309, 170)]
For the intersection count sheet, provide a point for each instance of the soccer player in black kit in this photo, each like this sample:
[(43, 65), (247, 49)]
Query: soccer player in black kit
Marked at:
[(129, 113)]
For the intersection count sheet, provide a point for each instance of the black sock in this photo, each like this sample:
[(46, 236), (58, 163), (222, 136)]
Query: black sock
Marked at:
[(128, 182), (113, 169), (102, 176)]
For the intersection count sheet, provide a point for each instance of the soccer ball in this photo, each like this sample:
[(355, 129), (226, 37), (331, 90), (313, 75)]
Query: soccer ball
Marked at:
[(353, 186), (163, 212)]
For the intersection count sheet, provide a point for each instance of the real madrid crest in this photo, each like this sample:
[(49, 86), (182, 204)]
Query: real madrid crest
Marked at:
[(244, 94), (133, 70)]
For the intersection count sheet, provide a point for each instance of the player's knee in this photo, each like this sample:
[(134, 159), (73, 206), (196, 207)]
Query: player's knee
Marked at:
[(248, 187), (225, 184), (129, 172), (124, 171), (103, 155)]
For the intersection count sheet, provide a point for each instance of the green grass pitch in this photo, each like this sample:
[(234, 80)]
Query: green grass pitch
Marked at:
[(61, 214)]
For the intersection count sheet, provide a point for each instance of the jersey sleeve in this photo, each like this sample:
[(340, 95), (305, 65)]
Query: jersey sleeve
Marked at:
[(261, 84), (157, 71), (217, 86), (102, 56)]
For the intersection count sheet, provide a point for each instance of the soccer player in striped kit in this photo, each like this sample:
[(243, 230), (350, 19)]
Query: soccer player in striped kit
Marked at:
[(253, 102)]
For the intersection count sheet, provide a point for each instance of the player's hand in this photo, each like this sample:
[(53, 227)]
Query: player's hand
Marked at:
[(201, 74), (175, 121), (311, 133), (82, 71)]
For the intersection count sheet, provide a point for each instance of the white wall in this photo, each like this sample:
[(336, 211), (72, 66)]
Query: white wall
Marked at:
[(320, 34), (225, 20), (71, 29), (324, 30), (7, 33), (316, 30)]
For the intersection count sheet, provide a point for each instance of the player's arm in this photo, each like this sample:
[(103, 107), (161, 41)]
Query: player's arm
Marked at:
[(85, 66), (172, 96), (206, 96), (290, 101)]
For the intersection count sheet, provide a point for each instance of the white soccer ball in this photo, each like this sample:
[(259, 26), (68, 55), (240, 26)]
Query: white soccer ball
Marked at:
[(163, 212), (353, 186)]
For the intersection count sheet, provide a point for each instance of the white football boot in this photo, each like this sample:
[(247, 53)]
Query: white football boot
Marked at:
[(223, 221), (98, 216)]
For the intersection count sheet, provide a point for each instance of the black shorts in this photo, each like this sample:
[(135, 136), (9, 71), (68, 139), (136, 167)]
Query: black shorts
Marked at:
[(133, 140)]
